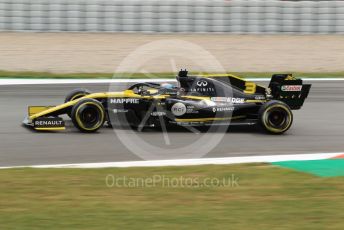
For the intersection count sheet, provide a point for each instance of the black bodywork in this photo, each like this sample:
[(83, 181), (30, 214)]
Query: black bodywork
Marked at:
[(208, 100)]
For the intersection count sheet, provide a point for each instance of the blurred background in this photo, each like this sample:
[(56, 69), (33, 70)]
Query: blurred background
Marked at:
[(245, 36), (197, 16)]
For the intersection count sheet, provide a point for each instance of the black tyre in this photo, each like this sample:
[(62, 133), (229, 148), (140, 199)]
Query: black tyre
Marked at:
[(275, 117), (88, 115), (76, 94)]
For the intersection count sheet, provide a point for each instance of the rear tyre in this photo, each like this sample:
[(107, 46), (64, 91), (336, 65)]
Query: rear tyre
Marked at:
[(275, 117), (88, 115), (76, 94)]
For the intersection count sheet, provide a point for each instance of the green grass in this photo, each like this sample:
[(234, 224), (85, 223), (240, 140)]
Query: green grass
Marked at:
[(10, 74), (266, 197)]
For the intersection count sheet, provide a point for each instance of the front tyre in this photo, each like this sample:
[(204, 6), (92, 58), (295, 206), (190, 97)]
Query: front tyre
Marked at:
[(88, 115), (76, 94), (275, 117)]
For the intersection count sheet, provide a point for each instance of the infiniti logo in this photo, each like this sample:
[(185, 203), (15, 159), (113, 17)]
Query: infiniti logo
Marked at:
[(202, 83)]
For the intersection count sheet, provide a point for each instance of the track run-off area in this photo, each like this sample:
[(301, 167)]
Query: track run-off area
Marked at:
[(317, 128)]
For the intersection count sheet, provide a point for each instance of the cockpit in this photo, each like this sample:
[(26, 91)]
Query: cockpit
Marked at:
[(152, 89)]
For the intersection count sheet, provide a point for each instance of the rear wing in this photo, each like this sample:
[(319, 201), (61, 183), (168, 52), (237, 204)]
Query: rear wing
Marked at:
[(286, 88)]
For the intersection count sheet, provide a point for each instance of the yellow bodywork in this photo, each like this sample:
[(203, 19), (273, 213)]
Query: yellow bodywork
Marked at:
[(32, 110), (50, 129), (38, 111)]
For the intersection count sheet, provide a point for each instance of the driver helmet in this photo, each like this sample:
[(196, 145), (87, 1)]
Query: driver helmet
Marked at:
[(167, 85)]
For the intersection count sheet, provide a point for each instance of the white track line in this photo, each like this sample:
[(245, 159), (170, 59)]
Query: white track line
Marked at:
[(188, 162), (95, 81)]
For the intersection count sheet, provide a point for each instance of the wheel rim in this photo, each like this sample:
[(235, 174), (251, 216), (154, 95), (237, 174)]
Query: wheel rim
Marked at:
[(90, 117), (277, 119)]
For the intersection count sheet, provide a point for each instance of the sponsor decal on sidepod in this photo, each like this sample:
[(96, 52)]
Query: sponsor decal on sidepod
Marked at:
[(222, 109), (124, 101), (178, 109), (233, 100), (120, 110), (158, 113)]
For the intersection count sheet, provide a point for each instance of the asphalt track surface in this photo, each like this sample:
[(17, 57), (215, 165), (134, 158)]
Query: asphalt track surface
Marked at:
[(318, 127)]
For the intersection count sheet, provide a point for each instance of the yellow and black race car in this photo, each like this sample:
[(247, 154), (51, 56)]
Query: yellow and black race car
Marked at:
[(206, 100)]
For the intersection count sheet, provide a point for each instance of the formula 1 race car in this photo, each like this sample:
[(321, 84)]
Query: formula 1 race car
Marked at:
[(206, 100)]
